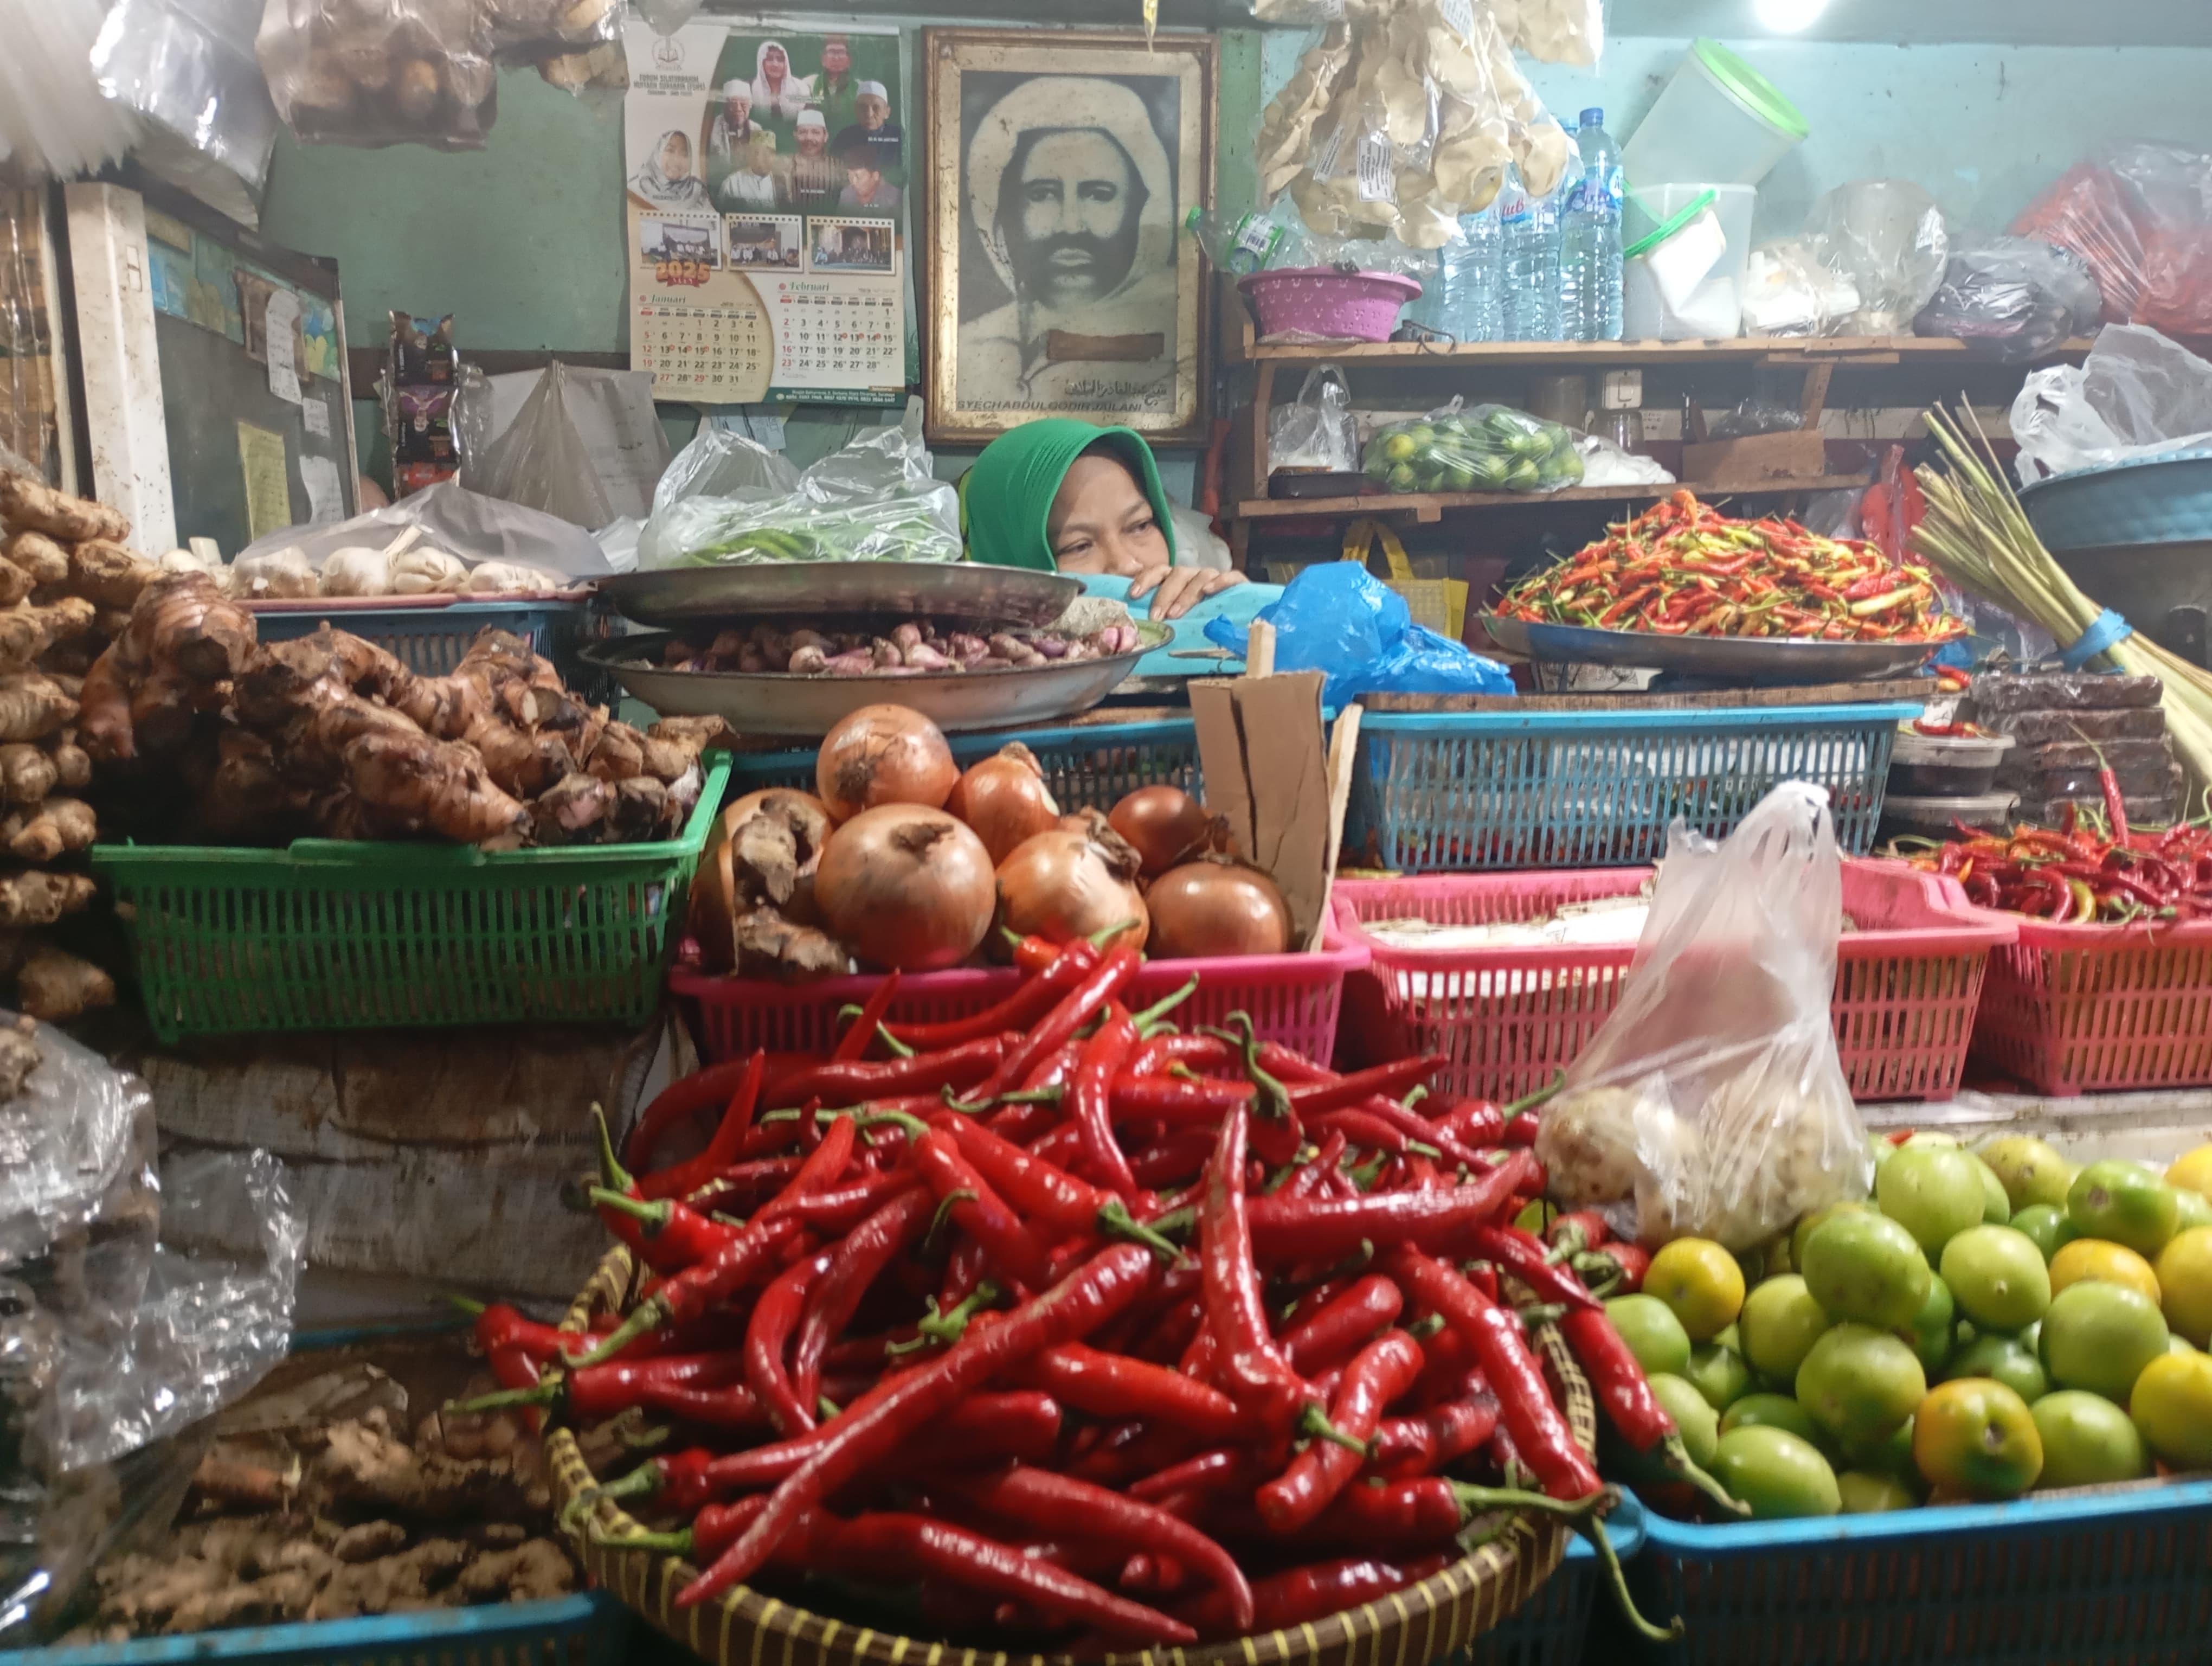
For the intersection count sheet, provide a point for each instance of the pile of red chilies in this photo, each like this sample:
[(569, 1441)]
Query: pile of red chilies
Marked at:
[(1103, 1332)]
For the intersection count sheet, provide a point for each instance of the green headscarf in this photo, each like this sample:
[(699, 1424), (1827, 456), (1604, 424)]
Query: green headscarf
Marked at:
[(1006, 498)]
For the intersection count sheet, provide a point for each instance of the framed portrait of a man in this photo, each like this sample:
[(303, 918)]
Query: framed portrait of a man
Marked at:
[(1061, 166)]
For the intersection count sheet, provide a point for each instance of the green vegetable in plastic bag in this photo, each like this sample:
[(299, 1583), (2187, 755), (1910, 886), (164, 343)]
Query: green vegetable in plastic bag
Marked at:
[(1487, 448)]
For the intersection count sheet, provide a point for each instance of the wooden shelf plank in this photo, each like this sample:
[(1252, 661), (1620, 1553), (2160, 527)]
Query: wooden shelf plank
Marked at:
[(1871, 349), (1427, 506)]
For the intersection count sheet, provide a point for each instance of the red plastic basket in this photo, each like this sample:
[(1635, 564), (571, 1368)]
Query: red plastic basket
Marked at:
[(1292, 998), (2082, 1009), (1907, 979)]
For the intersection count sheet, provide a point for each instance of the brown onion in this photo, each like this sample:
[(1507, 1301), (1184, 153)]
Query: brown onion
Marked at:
[(881, 755), (906, 887), (1216, 907), (1165, 824), (1068, 883), (1004, 800), (712, 914)]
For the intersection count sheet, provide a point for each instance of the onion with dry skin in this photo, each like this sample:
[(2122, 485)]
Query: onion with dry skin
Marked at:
[(906, 887), (1216, 907), (1004, 800), (1075, 882), (1166, 825), (883, 755)]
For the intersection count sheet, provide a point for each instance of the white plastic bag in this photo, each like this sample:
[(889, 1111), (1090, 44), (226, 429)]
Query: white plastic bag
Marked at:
[(541, 461), (450, 517), (1315, 430), (2137, 394), (1712, 1099)]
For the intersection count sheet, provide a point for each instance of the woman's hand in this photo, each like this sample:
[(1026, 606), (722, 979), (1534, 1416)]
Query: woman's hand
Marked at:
[(1180, 587)]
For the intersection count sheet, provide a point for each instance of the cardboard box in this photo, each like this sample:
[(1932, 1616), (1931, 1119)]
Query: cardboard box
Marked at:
[(1755, 460)]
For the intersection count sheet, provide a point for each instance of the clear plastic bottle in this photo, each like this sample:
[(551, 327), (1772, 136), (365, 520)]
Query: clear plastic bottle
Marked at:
[(1529, 229), (1471, 277), (1250, 242), (1590, 237)]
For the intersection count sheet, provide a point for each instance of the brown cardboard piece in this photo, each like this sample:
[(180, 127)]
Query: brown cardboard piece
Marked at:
[(1269, 770)]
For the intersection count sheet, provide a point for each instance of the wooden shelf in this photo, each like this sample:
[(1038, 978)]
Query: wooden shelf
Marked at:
[(1771, 350), (1431, 506)]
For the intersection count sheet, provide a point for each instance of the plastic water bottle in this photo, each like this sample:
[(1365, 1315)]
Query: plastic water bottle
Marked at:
[(1530, 232), (1589, 238), (1471, 278)]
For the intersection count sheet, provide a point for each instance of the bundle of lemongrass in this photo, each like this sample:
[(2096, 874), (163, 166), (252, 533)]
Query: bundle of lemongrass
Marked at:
[(1977, 535)]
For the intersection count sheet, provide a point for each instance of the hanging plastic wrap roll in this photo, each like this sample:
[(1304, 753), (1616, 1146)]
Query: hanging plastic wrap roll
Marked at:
[(190, 67), (53, 119), (379, 72)]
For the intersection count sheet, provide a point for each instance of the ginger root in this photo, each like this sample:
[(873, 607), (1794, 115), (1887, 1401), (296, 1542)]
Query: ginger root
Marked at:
[(29, 503), (177, 658), (32, 706), (15, 585), (27, 774), (72, 764), (53, 984), (41, 560), (19, 1057), (45, 832), (108, 575), (769, 946), (572, 810), (35, 898)]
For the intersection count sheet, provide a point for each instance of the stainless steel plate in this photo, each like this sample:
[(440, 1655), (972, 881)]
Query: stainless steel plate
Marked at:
[(808, 708), (1009, 598), (1724, 659)]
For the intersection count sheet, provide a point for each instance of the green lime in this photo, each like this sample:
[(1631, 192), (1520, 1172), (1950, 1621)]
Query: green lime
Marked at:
[(2191, 1209), (2046, 1227), (1399, 447), (1802, 1233), (1935, 1192), (2099, 1336), (1719, 1374), (1866, 1266), (1777, 1474), (2125, 1203), (1697, 1419), (1868, 1495), (1860, 1384), (1996, 1203), (2006, 1359), (1401, 478), (1774, 1411), (1779, 1324), (1888, 1455), (2030, 1170), (1652, 1331), (1929, 1335), (1999, 1277), (2088, 1441)]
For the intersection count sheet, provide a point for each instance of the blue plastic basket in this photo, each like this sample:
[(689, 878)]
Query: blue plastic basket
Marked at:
[(2098, 1576), (1092, 767), (1453, 792), (430, 641), (589, 1629), (1549, 1628)]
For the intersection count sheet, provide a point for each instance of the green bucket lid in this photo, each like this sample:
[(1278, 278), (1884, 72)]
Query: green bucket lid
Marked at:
[(1751, 89), (1651, 240)]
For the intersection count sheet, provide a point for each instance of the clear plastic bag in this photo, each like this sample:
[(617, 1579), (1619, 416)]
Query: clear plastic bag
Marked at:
[(77, 1132), (876, 499), (1336, 616), (449, 517), (189, 66), (1315, 430), (1789, 290), (530, 29), (2137, 394), (1712, 1100), (1888, 237), (721, 462), (379, 72), (1482, 448), (2140, 216), (541, 461), (2013, 298)]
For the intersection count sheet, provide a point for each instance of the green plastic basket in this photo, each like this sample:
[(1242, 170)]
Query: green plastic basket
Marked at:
[(331, 934)]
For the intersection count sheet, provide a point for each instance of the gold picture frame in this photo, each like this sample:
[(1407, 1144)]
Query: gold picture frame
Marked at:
[(1061, 281)]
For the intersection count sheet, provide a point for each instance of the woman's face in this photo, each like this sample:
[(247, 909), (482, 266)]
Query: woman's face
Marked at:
[(773, 63), (674, 157), (1102, 521)]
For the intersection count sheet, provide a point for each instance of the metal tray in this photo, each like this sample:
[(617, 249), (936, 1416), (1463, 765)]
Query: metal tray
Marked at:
[(808, 708), (1724, 659), (1009, 597)]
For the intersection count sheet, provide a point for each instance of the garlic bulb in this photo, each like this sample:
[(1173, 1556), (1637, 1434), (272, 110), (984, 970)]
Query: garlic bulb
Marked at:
[(511, 578), (359, 569), (280, 574), (424, 572)]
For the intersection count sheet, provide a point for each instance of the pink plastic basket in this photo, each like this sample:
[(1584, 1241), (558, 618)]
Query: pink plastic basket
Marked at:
[(1293, 998), (1320, 300), (2077, 1009), (1907, 979)]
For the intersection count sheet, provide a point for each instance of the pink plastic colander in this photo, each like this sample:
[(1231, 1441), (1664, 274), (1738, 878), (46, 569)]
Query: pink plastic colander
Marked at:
[(1321, 301)]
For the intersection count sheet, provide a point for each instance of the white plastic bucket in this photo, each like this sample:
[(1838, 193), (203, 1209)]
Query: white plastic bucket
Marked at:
[(1716, 120), (1655, 307)]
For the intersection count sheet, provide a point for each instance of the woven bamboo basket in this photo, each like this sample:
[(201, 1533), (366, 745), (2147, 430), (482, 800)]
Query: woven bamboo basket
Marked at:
[(746, 1627)]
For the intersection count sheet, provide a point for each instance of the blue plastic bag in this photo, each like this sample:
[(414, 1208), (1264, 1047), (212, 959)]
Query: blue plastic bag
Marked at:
[(1338, 618)]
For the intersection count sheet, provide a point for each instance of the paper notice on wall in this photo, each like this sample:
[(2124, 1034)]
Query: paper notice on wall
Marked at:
[(325, 498), (281, 330), (263, 459), (317, 416)]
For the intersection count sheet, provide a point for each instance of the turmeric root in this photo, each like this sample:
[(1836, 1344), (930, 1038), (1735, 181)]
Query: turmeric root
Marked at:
[(27, 774), (34, 899), (42, 560), (44, 831), (32, 706), (107, 574), (30, 503), (436, 784)]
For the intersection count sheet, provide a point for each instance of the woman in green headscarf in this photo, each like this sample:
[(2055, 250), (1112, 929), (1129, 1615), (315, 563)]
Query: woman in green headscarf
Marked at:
[(1061, 496)]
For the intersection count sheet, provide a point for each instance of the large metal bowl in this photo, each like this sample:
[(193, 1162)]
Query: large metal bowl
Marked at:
[(1753, 659), (1005, 598), (808, 708)]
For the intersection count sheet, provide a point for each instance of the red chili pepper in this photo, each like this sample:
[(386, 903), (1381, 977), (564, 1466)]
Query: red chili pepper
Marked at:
[(1111, 1385), (1327, 1228), (1380, 1372), (1173, 1159), (1101, 984), (856, 1080), (775, 1316), (1283, 1602), (1220, 1469), (687, 1177), (858, 1260), (977, 1209), (1625, 1394), (1045, 1192), (1523, 1255), (1259, 1378), (1360, 1129), (1019, 1010), (702, 1090), (854, 1042), (1343, 1322), (1389, 1080), (874, 1427), (1090, 1096), (593, 1393), (667, 1236), (1409, 1446), (1524, 1401)]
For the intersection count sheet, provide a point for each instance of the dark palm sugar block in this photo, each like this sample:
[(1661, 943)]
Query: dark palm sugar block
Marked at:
[(2062, 691), (2042, 728)]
